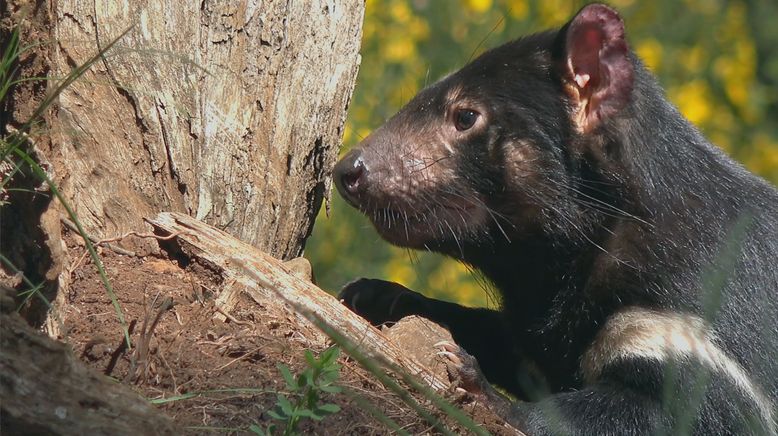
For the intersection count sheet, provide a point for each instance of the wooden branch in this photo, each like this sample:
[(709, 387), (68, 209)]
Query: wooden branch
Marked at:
[(264, 277), (46, 390)]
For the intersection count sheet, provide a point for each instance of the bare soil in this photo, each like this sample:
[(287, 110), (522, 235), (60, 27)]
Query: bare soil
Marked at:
[(181, 346)]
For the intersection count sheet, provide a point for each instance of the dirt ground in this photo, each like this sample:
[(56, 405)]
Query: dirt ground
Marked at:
[(180, 346)]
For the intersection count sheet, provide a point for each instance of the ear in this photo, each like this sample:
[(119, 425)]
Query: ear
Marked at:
[(595, 65)]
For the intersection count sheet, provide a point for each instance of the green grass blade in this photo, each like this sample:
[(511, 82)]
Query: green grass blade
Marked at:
[(10, 55), (15, 147), (375, 412), (197, 394), (713, 283)]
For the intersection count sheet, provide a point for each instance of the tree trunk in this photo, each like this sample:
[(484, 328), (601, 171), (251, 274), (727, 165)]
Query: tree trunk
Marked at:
[(231, 112)]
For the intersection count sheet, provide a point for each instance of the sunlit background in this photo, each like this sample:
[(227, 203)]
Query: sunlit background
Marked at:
[(717, 59)]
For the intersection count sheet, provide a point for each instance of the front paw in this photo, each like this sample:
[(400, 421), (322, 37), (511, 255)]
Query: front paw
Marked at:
[(381, 302), (465, 375), (463, 370)]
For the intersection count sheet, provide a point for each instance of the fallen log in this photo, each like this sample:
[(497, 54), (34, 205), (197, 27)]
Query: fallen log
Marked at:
[(266, 278), (45, 390)]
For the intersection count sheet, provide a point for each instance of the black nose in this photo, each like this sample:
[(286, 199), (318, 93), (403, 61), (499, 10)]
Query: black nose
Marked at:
[(350, 176)]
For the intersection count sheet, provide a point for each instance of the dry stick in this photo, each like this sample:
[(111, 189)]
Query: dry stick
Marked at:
[(147, 331), (232, 318), (143, 235), (72, 226), (250, 353), (170, 370), (107, 242)]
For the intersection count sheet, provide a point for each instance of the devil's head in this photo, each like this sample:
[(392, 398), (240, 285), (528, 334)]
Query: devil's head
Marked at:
[(502, 148)]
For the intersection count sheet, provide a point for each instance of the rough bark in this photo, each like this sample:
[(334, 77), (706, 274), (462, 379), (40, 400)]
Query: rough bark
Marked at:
[(47, 391), (231, 112)]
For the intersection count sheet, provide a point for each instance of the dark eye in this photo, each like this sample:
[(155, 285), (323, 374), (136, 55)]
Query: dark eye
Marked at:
[(465, 118)]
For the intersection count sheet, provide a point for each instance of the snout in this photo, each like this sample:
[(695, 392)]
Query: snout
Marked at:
[(350, 176)]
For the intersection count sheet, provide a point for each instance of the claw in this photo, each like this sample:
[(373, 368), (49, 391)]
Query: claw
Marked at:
[(447, 346), (445, 354), (450, 356)]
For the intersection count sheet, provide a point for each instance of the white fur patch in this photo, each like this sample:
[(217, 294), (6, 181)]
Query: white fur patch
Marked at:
[(648, 334)]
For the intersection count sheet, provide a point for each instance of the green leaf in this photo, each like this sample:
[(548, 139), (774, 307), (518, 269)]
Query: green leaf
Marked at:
[(312, 362), (257, 430), (275, 415), (329, 356), (328, 377), (332, 389), (328, 409), (284, 404), (306, 413), (291, 384)]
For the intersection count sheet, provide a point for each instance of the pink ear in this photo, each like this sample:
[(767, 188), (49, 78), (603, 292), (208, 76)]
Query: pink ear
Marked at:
[(597, 64)]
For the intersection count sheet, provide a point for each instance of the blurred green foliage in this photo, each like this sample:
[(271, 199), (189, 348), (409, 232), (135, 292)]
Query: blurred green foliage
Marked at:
[(717, 59)]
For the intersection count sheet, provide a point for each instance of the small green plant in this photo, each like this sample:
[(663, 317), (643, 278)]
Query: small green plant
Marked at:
[(307, 388)]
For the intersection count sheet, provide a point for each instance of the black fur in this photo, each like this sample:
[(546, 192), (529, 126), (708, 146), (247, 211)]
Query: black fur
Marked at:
[(636, 210)]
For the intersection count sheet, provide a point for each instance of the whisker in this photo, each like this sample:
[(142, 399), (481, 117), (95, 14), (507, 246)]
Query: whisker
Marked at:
[(620, 213), (454, 235), (588, 239), (405, 223)]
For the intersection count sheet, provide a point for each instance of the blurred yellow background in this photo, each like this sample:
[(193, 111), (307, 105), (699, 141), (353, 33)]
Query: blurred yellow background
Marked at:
[(717, 59)]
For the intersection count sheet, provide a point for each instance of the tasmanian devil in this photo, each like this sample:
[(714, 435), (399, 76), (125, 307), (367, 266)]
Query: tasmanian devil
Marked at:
[(637, 263)]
